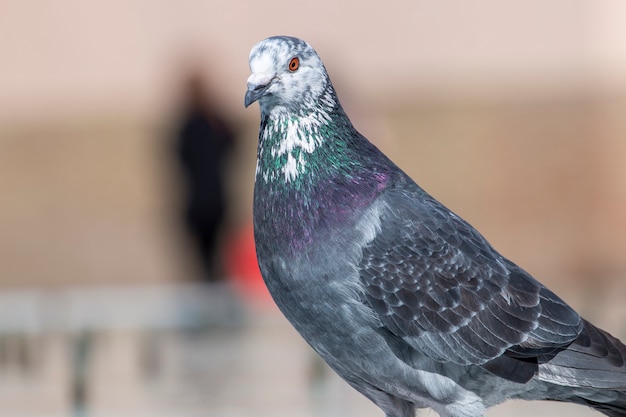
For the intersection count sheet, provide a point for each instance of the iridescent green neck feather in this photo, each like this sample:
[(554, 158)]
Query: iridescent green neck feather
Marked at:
[(292, 144)]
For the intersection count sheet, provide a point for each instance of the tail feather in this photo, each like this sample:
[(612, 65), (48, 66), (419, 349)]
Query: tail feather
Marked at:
[(594, 360), (593, 368), (615, 408)]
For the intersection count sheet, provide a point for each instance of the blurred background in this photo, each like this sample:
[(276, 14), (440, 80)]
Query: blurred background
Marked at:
[(128, 283)]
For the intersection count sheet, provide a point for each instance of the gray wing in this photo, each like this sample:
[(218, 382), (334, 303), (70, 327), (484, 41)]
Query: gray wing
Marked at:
[(436, 283)]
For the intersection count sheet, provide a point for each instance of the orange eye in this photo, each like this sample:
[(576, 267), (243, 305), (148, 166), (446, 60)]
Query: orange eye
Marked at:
[(294, 64)]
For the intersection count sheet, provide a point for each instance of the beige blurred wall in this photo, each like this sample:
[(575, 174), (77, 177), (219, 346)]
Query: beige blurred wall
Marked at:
[(512, 113), (72, 55)]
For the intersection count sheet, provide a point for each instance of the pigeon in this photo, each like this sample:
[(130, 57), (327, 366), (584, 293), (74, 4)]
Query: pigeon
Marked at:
[(402, 298)]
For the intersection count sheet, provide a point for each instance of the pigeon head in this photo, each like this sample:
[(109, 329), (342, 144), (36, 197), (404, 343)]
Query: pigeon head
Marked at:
[(287, 75), (297, 103)]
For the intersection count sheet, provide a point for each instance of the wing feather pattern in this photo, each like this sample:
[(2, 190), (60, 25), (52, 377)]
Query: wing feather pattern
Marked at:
[(438, 284)]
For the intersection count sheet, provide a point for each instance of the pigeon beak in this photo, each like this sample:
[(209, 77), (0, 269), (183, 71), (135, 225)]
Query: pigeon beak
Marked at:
[(253, 94), (257, 86)]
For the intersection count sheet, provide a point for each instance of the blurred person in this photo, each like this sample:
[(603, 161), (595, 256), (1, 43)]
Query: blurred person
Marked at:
[(204, 140)]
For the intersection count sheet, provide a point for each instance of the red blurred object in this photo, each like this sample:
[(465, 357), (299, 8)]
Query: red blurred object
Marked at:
[(242, 267)]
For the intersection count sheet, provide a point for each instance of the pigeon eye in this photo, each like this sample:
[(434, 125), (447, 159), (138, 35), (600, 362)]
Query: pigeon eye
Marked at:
[(294, 64)]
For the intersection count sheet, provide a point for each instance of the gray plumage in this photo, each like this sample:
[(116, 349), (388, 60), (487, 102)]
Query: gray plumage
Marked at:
[(405, 300)]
